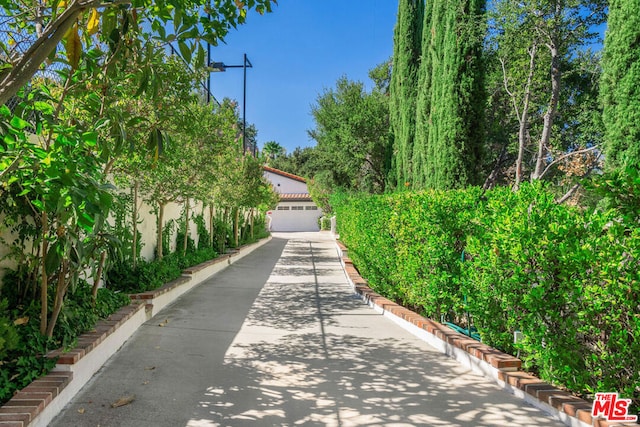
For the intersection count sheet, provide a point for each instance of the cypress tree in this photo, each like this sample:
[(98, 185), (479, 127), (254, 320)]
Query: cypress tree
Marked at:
[(403, 89), (449, 133), (430, 31), (620, 88)]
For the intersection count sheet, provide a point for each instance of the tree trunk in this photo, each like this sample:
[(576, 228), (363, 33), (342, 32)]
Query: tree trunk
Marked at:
[(96, 280), (211, 229), (44, 284), (550, 114), (186, 227), (134, 220), (159, 235), (252, 217), (226, 217), (523, 119), (61, 291), (236, 220)]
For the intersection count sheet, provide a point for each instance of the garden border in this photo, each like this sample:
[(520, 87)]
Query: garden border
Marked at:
[(502, 368), (40, 402)]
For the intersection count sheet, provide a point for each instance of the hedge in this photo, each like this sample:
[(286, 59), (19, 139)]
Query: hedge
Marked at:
[(567, 278)]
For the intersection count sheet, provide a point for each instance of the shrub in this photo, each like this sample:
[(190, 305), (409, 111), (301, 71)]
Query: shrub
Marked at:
[(568, 279), (150, 275), (26, 360), (8, 334)]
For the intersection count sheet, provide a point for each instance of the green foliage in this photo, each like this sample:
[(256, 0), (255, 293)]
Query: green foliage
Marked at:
[(403, 88), (8, 334), (566, 278), (619, 190), (150, 275), (204, 237), (352, 132), (191, 244), (222, 232), (450, 108), (26, 360), (620, 93), (542, 80), (324, 222), (299, 162), (119, 32), (271, 150)]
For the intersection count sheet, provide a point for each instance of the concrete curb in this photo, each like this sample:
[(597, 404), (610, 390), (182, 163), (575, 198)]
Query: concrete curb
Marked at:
[(39, 402), (502, 368)]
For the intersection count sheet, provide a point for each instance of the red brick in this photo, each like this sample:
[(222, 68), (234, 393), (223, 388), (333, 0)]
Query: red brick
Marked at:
[(464, 342), (572, 408), (504, 361), (472, 347), (546, 396), (31, 406), (33, 388), (534, 388), (58, 376), (71, 357), (46, 398), (519, 379)]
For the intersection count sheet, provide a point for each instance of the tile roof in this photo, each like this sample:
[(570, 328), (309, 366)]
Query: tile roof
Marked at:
[(297, 197), (283, 173)]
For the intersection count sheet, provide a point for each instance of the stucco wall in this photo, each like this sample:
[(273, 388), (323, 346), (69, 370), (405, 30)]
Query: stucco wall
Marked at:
[(282, 184)]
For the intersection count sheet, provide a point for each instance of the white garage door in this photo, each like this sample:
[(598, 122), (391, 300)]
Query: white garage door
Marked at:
[(295, 217)]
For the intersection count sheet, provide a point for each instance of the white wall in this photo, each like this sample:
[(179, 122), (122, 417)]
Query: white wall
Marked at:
[(149, 227), (282, 184)]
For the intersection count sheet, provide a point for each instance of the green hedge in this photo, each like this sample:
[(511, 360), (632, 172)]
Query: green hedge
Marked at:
[(567, 278)]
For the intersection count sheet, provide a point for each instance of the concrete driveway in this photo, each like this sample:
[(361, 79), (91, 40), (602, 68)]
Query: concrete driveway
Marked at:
[(279, 339)]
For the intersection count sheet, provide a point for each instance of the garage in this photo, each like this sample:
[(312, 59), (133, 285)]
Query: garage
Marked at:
[(296, 211)]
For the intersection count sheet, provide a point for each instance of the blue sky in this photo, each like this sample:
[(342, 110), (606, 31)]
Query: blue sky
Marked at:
[(297, 51)]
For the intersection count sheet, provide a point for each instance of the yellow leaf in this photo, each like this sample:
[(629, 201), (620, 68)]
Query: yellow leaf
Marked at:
[(94, 21), (74, 46), (62, 3), (125, 400), (21, 321)]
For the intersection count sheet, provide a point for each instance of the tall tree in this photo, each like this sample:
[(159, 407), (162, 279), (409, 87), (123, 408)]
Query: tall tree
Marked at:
[(538, 43), (271, 151), (298, 162), (450, 110), (403, 89), (620, 84), (352, 128)]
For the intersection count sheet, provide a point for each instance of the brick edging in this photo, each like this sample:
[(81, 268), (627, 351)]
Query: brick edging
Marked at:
[(28, 403), (31, 400), (568, 408), (203, 265), (149, 295), (90, 340)]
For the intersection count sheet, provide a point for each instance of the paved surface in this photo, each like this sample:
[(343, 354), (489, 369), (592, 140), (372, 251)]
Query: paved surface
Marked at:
[(278, 339)]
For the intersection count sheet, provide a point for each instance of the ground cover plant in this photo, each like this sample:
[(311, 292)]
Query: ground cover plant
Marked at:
[(23, 349)]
